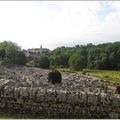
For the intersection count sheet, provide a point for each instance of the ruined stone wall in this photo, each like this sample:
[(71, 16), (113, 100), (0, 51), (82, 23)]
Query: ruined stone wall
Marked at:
[(58, 104)]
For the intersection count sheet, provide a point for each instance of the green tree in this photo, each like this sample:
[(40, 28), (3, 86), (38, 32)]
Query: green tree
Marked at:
[(43, 62), (77, 62), (2, 53), (20, 58), (12, 53), (60, 57)]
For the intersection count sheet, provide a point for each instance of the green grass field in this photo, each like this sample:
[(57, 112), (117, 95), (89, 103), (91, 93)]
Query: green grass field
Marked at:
[(109, 75)]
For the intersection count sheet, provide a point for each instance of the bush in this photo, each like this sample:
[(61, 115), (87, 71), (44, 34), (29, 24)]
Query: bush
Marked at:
[(54, 77), (20, 58), (84, 72), (43, 62), (30, 63)]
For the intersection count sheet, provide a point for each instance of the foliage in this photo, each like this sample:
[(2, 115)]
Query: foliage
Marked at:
[(101, 57), (54, 77), (108, 75), (20, 58), (31, 63), (77, 62), (11, 53), (2, 53), (43, 62), (83, 72), (60, 57)]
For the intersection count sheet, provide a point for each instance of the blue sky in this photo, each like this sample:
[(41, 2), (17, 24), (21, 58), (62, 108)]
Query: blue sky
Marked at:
[(59, 23), (106, 9)]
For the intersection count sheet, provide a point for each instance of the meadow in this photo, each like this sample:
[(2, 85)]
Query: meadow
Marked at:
[(108, 75)]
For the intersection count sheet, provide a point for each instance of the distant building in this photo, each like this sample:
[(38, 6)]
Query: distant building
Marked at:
[(36, 52)]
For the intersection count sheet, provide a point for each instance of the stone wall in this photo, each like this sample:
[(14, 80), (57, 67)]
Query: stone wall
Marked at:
[(52, 103)]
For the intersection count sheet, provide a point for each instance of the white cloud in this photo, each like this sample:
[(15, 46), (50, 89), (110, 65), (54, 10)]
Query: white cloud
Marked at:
[(55, 23)]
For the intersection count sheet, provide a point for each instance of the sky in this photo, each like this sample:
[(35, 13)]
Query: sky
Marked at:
[(54, 24)]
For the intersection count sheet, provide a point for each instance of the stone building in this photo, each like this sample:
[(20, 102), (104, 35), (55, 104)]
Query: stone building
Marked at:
[(36, 52)]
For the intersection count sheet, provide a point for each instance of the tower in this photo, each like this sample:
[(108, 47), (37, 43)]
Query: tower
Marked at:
[(41, 50)]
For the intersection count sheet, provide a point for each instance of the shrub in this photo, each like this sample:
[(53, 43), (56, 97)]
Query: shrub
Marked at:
[(84, 72), (30, 63), (43, 62), (54, 77)]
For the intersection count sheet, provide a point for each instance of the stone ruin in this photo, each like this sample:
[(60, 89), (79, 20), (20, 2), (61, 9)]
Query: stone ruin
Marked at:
[(26, 90)]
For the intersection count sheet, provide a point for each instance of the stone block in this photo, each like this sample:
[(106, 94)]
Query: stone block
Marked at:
[(73, 98), (33, 92), (113, 115), (8, 91), (23, 92), (103, 100), (16, 92), (41, 94), (116, 100), (61, 96), (92, 98), (50, 95), (82, 97)]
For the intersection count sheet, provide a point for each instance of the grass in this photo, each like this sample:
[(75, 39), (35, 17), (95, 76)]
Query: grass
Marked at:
[(109, 75), (13, 116), (66, 70), (6, 115)]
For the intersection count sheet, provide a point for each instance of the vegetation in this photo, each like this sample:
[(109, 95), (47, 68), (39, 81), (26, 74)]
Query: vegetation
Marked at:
[(7, 115), (77, 62), (11, 53), (54, 77), (43, 62), (60, 57), (105, 74), (30, 63), (101, 57)]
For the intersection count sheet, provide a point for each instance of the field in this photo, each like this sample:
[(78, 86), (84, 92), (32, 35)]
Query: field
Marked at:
[(108, 75), (113, 76)]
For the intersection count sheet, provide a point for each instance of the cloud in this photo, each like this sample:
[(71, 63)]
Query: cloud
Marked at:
[(106, 9), (55, 23)]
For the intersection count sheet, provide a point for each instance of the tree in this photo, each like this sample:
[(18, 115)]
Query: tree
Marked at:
[(93, 57), (2, 53), (77, 62), (12, 53), (20, 58), (43, 62), (60, 57), (102, 62), (101, 56), (10, 49)]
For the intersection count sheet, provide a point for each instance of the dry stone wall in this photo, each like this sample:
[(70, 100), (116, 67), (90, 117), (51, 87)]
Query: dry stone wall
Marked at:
[(25, 90), (52, 103)]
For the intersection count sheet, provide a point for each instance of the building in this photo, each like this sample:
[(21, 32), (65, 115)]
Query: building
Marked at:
[(36, 52)]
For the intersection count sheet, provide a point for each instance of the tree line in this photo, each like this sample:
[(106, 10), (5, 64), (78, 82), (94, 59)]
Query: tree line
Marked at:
[(102, 56), (11, 53)]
